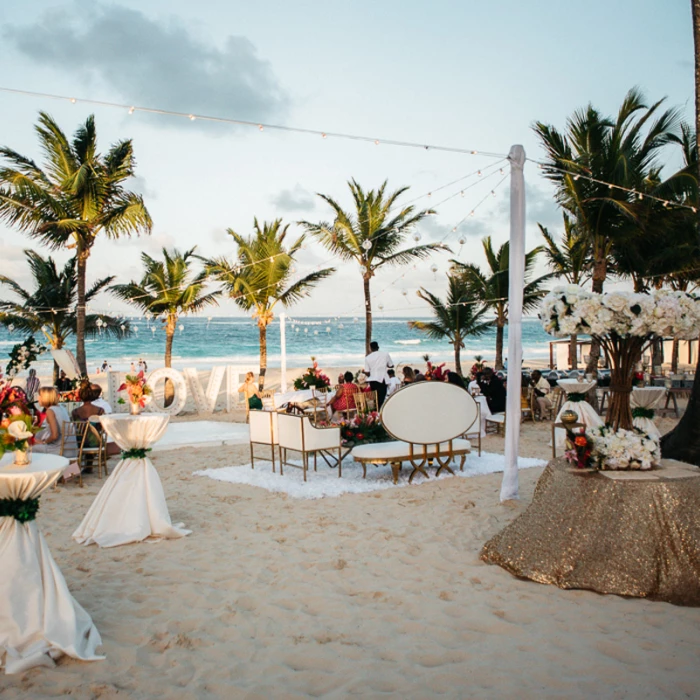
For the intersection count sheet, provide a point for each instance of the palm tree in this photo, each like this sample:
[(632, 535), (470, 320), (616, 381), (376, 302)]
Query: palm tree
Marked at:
[(491, 287), (51, 307), (372, 235), (78, 195), (569, 260), (620, 152), (260, 277), (168, 289), (456, 318)]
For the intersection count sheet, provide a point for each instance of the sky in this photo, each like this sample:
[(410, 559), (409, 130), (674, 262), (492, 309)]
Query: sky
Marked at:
[(469, 75)]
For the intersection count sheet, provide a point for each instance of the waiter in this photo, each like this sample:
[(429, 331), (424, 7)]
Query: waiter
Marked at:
[(377, 364)]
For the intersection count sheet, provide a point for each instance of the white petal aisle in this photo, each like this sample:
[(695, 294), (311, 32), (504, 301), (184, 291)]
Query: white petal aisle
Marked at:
[(325, 482)]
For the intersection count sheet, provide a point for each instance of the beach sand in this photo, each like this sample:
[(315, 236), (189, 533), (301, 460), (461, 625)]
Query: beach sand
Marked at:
[(380, 595)]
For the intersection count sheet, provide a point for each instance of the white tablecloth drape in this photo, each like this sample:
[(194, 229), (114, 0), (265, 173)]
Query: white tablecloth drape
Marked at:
[(586, 413), (299, 397), (131, 505), (647, 397), (39, 618), (485, 413)]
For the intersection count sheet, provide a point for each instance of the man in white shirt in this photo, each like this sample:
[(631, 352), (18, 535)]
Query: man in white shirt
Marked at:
[(100, 402), (541, 388), (376, 365)]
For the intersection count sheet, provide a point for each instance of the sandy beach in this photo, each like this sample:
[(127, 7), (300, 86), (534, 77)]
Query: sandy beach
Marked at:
[(379, 595)]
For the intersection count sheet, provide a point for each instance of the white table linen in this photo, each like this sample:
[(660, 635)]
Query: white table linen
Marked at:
[(647, 397), (39, 618), (585, 412), (131, 505), (485, 412)]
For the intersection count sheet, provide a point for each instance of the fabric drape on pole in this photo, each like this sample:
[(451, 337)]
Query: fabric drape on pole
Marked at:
[(283, 352), (66, 361), (516, 277)]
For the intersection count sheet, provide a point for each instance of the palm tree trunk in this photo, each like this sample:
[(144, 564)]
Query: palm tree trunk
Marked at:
[(573, 351), (499, 346), (458, 359), (169, 389), (368, 312), (263, 356), (81, 269), (600, 271), (683, 442)]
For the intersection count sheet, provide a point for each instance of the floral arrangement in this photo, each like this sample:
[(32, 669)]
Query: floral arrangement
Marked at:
[(313, 377), (477, 367), (571, 310), (608, 449), (22, 355), (13, 399), (17, 433), (137, 390), (364, 427), (435, 373), (68, 396)]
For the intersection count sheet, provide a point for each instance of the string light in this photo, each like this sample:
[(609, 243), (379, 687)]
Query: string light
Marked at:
[(192, 117), (131, 110)]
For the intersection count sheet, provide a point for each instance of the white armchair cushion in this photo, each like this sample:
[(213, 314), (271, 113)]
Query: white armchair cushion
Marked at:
[(399, 450), (290, 431), (320, 438)]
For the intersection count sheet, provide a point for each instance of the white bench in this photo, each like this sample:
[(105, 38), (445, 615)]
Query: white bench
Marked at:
[(427, 420)]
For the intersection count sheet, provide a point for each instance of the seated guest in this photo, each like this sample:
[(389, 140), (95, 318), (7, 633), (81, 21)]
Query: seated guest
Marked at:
[(492, 388), (100, 401), (48, 440), (88, 410), (408, 375), (362, 383), (540, 387), (251, 393), (393, 384), (344, 399), (418, 376), (63, 383)]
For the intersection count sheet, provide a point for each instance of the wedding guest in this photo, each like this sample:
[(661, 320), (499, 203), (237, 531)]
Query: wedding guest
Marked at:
[(492, 388), (89, 393), (362, 382), (32, 386), (454, 378), (394, 383), (105, 366), (408, 375), (100, 401), (63, 383), (48, 440), (251, 393), (541, 388), (376, 365), (344, 398)]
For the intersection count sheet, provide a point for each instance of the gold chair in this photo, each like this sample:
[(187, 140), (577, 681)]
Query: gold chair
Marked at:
[(366, 401), (92, 440), (319, 404), (498, 420)]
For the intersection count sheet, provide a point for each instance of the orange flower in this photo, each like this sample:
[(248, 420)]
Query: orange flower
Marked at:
[(580, 441)]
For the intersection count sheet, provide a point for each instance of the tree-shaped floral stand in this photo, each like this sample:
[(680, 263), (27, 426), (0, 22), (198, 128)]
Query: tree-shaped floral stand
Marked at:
[(624, 323)]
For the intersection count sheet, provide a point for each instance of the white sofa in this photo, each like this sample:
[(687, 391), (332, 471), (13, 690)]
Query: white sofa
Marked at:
[(427, 419)]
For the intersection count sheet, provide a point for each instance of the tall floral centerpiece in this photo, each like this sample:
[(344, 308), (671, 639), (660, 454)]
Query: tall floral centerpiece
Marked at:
[(138, 392), (313, 377), (17, 435), (623, 323)]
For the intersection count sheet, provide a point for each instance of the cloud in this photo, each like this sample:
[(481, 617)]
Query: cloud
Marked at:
[(139, 185), (297, 199), (153, 63)]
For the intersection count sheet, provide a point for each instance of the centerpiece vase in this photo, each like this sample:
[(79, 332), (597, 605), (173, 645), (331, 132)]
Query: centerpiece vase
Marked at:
[(22, 457), (624, 353), (135, 409)]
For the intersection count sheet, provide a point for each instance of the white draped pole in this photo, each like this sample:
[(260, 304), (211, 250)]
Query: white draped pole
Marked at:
[(283, 352), (516, 263)]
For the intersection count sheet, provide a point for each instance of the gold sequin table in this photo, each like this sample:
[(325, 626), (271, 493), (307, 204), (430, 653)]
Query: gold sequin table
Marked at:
[(627, 533)]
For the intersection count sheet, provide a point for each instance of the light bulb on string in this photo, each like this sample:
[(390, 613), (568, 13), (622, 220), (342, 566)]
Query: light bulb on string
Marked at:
[(323, 136), (10, 328), (461, 193), (192, 117), (493, 193), (462, 240), (315, 332), (182, 328), (328, 329), (367, 244), (73, 100), (260, 127), (381, 306), (131, 110), (471, 213), (416, 236), (434, 269), (479, 173)]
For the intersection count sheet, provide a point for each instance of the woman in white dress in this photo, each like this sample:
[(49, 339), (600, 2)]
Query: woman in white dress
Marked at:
[(48, 439)]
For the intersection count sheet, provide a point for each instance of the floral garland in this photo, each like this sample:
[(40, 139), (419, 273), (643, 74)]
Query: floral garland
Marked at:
[(22, 355), (571, 310), (363, 428), (13, 399), (22, 511), (313, 377)]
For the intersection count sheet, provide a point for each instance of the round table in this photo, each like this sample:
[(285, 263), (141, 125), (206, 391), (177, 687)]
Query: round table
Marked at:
[(39, 618), (585, 412), (131, 506), (647, 398), (632, 533)]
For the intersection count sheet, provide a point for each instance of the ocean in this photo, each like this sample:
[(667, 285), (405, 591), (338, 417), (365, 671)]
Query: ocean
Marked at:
[(334, 342)]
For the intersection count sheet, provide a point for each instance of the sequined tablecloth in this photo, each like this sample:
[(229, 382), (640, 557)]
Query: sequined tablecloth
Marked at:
[(627, 533)]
